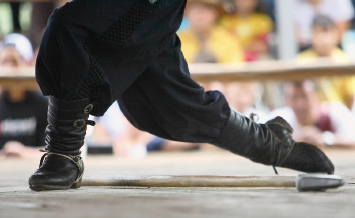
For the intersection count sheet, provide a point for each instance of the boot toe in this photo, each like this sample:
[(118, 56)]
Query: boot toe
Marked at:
[(56, 173), (310, 159)]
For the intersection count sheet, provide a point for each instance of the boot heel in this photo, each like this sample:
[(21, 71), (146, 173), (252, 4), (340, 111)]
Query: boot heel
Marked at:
[(77, 184)]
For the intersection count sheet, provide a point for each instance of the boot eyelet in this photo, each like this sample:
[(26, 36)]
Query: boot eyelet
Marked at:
[(76, 159), (80, 123), (88, 108)]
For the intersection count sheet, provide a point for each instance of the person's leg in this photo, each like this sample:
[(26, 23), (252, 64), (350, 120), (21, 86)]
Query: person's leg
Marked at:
[(90, 53), (166, 102)]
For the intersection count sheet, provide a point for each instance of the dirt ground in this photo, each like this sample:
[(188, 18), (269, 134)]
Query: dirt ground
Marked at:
[(16, 200)]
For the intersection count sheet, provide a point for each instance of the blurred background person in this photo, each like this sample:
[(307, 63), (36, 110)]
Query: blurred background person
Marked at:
[(39, 17), (325, 38), (21, 46), (323, 124), (15, 11), (245, 97), (22, 112), (340, 11), (250, 25), (325, 41), (28, 18), (203, 41), (114, 134), (249, 22)]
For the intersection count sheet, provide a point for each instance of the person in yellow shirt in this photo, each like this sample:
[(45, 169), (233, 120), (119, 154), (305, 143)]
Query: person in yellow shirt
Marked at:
[(325, 39), (251, 26), (204, 42)]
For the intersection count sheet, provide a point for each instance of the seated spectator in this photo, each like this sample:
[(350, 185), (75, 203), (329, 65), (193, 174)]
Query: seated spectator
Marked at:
[(322, 124), (203, 41), (341, 11), (21, 45), (324, 44), (250, 25), (324, 40), (23, 114)]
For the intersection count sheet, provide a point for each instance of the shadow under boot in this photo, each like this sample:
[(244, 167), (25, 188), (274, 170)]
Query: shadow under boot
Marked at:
[(61, 167), (271, 144)]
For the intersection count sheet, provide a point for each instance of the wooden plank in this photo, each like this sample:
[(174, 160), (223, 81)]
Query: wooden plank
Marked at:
[(193, 181)]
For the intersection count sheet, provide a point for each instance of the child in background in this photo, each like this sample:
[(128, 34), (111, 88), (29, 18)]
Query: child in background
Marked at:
[(340, 11), (325, 41), (203, 41), (251, 26)]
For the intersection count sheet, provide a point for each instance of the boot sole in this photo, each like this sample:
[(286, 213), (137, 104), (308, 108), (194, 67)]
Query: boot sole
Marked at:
[(44, 187)]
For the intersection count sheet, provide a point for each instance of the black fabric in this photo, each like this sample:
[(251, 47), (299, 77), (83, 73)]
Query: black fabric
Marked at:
[(23, 121), (122, 30), (166, 102), (93, 83), (143, 68), (63, 62)]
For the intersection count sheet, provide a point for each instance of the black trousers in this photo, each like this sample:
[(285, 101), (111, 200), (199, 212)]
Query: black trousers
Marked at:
[(128, 51)]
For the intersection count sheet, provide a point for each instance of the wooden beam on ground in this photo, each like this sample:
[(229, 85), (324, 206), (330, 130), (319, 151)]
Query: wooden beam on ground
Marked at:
[(193, 181)]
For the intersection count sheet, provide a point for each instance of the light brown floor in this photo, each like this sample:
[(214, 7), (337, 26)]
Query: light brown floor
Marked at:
[(16, 200)]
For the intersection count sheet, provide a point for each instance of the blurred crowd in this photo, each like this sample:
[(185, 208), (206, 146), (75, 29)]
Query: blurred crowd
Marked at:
[(320, 111)]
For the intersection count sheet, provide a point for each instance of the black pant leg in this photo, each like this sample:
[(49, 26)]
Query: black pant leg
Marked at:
[(166, 102), (64, 62), (104, 44)]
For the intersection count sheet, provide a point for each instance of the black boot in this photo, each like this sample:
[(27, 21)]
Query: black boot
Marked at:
[(62, 167), (271, 144)]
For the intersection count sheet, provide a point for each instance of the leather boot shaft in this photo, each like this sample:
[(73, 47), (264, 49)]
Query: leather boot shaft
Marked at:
[(249, 139), (271, 144), (67, 123)]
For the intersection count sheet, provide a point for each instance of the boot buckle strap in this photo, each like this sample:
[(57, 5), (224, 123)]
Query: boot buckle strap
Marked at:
[(80, 123)]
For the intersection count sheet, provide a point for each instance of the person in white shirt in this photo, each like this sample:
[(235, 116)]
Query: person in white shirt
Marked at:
[(341, 11), (323, 124)]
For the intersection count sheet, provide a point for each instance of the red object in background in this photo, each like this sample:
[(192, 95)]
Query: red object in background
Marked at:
[(250, 56)]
